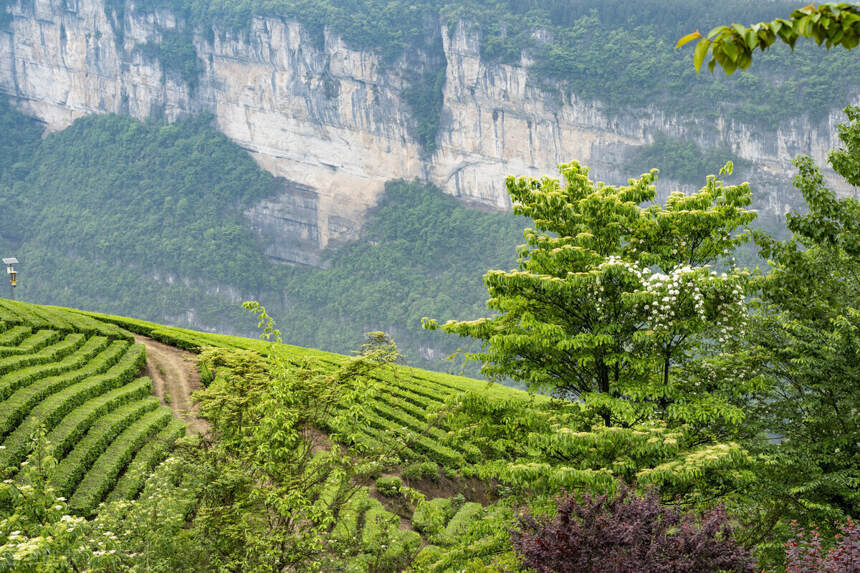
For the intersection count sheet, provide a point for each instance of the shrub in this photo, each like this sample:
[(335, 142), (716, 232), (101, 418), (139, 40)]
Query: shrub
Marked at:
[(101, 476), (378, 527), (625, 532), (149, 456), (421, 470), (430, 517), (805, 551), (467, 514), (388, 486), (206, 375)]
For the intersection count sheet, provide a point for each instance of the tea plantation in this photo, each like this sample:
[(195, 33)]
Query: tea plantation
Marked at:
[(77, 377), (452, 455)]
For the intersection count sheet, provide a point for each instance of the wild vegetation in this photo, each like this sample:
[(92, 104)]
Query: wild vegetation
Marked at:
[(321, 462), (681, 375), (173, 238), (159, 212), (437, 465)]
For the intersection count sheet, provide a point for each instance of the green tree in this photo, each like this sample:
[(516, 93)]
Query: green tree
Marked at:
[(612, 302), (807, 339), (732, 47), (254, 490)]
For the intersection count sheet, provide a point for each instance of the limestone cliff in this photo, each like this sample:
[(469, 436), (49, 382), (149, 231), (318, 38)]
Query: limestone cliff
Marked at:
[(332, 121)]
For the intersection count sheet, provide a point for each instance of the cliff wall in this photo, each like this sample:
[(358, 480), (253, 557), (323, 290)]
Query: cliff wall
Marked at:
[(332, 121)]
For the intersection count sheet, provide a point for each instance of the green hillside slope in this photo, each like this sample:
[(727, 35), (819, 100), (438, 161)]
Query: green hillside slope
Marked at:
[(152, 226), (76, 376), (435, 460), (78, 380)]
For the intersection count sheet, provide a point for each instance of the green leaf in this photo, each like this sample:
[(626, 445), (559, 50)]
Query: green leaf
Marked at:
[(688, 38), (717, 31), (751, 39), (700, 53), (729, 49)]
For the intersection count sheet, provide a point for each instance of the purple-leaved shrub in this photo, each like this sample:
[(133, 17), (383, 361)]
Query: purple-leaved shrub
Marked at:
[(625, 533)]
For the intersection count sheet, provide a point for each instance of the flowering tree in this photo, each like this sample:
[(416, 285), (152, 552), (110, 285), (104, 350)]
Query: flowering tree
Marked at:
[(612, 302)]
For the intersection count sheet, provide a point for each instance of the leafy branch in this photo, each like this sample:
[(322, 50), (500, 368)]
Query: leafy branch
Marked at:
[(732, 46)]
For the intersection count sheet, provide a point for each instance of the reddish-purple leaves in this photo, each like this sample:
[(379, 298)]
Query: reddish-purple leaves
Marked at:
[(805, 552), (628, 533)]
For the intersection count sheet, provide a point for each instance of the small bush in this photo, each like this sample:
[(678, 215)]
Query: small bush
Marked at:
[(421, 470), (431, 517), (450, 473), (467, 514), (625, 532), (388, 486), (206, 375)]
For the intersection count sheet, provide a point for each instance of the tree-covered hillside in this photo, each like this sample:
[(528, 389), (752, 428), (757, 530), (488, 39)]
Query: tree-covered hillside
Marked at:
[(684, 374), (151, 225)]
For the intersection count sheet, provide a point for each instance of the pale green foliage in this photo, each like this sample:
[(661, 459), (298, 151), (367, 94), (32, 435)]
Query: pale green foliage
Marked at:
[(540, 449), (482, 544), (269, 489), (431, 516), (150, 533), (613, 299), (388, 486), (732, 46), (616, 305), (421, 470)]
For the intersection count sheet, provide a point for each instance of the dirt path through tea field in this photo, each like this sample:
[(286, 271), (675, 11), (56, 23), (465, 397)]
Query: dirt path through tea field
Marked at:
[(174, 377)]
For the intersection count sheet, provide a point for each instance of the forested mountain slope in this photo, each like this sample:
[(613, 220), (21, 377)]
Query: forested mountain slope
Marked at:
[(151, 224), (340, 97), (177, 224)]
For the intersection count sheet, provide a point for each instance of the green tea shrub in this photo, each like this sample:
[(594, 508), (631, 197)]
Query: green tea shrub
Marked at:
[(421, 470), (388, 486)]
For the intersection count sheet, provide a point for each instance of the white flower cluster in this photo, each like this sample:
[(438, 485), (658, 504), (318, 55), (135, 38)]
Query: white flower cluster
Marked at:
[(713, 374), (732, 311), (674, 296), (633, 269), (668, 293)]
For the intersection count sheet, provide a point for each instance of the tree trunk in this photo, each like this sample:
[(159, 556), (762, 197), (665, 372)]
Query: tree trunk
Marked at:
[(603, 388)]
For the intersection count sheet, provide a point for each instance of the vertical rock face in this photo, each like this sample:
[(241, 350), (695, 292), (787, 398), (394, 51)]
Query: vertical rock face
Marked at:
[(332, 122), (498, 123)]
